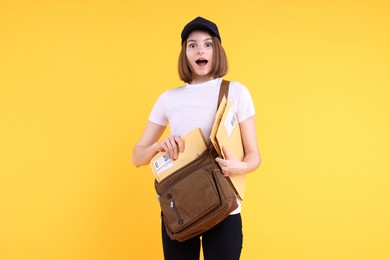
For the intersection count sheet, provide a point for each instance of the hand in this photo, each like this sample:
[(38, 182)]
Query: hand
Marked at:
[(230, 165), (172, 145)]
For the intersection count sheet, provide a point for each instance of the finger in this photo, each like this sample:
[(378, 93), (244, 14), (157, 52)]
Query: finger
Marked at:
[(164, 146), (173, 147), (225, 172), (219, 160), (167, 148), (180, 144), (222, 163)]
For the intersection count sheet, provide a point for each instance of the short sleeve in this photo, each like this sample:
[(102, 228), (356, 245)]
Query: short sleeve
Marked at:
[(158, 115), (242, 101)]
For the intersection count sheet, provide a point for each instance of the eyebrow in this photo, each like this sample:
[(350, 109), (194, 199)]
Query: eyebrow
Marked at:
[(207, 39)]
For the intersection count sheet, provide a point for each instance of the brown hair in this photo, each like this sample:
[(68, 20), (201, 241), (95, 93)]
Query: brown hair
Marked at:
[(219, 67)]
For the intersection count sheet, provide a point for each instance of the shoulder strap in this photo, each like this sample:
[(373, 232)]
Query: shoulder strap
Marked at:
[(223, 91)]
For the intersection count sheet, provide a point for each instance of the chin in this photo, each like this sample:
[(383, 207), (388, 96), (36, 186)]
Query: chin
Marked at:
[(203, 73)]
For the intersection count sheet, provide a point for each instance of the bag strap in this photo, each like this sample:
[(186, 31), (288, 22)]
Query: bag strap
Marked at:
[(223, 91)]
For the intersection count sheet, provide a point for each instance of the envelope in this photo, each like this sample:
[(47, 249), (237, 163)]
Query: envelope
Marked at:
[(194, 145), (217, 121), (226, 132)]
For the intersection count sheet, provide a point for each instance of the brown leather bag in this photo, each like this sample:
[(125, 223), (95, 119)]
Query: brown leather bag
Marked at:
[(197, 196)]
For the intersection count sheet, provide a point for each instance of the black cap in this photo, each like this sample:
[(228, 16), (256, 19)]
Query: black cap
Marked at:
[(199, 23)]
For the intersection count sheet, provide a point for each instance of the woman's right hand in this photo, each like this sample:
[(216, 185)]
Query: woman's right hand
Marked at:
[(171, 144)]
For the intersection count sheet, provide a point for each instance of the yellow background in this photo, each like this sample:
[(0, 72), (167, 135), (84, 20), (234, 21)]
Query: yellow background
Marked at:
[(78, 80)]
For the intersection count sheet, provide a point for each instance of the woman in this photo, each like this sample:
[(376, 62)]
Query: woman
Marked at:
[(202, 63)]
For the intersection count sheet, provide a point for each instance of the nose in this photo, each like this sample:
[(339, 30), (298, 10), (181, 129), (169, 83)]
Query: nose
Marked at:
[(200, 50)]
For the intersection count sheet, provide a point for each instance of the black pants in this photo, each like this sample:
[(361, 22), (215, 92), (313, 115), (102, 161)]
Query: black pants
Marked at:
[(224, 241)]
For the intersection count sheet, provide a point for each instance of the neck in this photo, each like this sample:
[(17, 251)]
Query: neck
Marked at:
[(201, 79)]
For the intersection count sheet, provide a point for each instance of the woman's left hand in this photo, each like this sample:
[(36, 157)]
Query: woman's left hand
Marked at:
[(230, 165)]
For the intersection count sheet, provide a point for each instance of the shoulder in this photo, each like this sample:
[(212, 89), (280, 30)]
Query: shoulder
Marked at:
[(237, 89), (175, 90), (172, 92), (242, 101)]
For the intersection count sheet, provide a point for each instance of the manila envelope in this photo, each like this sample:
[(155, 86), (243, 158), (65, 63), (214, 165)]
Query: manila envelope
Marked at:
[(194, 145), (217, 121), (228, 134)]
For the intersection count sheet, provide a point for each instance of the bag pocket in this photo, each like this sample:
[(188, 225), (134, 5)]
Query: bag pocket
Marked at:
[(188, 199)]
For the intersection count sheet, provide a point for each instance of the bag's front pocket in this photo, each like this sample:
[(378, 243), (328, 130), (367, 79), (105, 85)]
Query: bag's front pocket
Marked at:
[(189, 199), (172, 207)]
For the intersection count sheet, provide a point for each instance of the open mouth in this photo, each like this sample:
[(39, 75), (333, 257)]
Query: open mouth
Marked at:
[(201, 62)]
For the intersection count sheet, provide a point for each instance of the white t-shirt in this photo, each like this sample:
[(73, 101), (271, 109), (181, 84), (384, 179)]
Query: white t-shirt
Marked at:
[(194, 106)]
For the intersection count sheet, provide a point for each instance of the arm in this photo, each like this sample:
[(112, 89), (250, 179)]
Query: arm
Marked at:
[(252, 159), (147, 146)]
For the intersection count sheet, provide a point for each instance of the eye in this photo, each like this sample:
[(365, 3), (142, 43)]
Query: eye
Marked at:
[(209, 44), (191, 45)]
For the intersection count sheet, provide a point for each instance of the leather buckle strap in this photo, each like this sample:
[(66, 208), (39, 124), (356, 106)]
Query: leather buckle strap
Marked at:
[(223, 91)]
